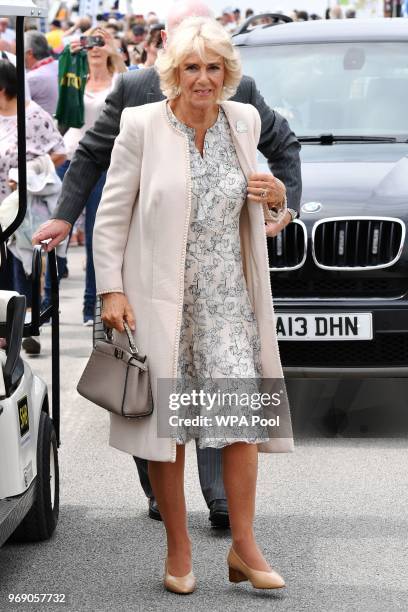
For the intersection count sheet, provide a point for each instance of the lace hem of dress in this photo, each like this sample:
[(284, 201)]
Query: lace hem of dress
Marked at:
[(220, 443)]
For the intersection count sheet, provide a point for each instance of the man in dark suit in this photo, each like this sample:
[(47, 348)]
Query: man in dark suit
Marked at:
[(277, 143)]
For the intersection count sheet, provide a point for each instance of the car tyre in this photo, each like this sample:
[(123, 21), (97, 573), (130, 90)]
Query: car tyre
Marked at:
[(41, 520)]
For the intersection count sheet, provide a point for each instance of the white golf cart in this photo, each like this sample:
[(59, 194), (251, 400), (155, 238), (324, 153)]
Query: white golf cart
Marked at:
[(29, 430)]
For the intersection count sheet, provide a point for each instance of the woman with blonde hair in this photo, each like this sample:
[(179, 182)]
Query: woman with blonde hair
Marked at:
[(181, 257), (104, 64)]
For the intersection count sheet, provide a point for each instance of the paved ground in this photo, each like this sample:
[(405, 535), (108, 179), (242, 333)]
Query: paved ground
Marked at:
[(331, 517)]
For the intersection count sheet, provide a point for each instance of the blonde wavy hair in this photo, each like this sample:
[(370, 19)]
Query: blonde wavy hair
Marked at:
[(198, 35)]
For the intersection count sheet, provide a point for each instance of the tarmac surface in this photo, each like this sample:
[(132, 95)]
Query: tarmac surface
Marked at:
[(332, 517)]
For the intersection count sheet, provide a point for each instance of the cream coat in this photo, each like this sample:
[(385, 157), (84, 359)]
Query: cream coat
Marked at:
[(139, 247)]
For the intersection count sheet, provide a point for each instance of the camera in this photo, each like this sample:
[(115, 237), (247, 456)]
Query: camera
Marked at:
[(88, 42)]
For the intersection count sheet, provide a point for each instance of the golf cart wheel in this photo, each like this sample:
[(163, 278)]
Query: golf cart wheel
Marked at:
[(42, 519)]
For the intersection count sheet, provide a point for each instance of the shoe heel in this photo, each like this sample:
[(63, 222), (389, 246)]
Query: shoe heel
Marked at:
[(235, 575)]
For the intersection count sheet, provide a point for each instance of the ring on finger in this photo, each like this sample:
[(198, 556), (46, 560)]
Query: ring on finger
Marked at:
[(264, 193)]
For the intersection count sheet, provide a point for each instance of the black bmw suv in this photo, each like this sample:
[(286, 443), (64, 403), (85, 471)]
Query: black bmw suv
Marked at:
[(340, 274)]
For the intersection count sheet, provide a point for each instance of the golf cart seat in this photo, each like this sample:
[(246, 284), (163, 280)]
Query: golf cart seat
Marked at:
[(12, 314)]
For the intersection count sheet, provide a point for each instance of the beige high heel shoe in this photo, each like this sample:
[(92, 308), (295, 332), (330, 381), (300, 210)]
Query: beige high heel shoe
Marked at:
[(240, 571), (179, 584)]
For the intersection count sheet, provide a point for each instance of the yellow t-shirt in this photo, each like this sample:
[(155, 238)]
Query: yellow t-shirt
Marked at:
[(54, 38)]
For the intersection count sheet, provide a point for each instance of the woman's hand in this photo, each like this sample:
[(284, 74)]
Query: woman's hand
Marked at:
[(109, 40), (58, 159), (266, 189), (75, 46), (272, 229), (115, 309), (115, 55)]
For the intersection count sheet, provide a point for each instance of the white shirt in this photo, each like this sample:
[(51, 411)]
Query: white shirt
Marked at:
[(93, 104), (9, 35)]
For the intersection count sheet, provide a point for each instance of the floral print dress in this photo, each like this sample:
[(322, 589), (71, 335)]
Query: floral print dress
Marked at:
[(41, 137), (219, 335)]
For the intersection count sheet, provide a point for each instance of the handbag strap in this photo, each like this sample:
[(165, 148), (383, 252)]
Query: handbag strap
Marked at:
[(133, 348)]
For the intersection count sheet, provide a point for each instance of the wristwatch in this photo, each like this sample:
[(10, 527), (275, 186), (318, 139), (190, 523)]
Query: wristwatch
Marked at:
[(293, 213)]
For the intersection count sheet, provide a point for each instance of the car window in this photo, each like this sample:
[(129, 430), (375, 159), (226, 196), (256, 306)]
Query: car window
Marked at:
[(339, 88)]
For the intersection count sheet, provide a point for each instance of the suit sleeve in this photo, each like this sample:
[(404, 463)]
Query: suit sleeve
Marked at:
[(91, 158), (116, 207), (280, 147)]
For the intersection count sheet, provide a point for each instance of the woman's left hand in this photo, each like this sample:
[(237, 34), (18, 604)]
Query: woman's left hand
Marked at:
[(117, 59), (266, 189), (272, 229), (75, 46), (109, 40)]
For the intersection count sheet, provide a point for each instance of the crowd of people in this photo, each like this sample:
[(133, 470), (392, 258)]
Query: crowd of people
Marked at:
[(132, 32), (232, 18)]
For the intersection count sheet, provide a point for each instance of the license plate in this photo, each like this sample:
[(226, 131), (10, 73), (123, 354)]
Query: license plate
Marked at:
[(338, 326)]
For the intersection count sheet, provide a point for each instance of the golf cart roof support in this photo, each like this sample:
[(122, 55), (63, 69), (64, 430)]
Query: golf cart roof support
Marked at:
[(20, 8)]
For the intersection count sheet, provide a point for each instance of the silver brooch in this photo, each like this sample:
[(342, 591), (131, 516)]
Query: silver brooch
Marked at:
[(241, 126)]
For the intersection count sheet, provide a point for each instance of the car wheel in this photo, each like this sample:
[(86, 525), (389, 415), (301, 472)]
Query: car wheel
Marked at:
[(41, 520)]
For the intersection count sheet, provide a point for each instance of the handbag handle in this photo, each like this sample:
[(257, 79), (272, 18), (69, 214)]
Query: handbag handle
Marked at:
[(133, 348)]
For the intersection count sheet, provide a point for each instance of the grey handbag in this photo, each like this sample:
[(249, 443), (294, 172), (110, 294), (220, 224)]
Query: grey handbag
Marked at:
[(117, 379)]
